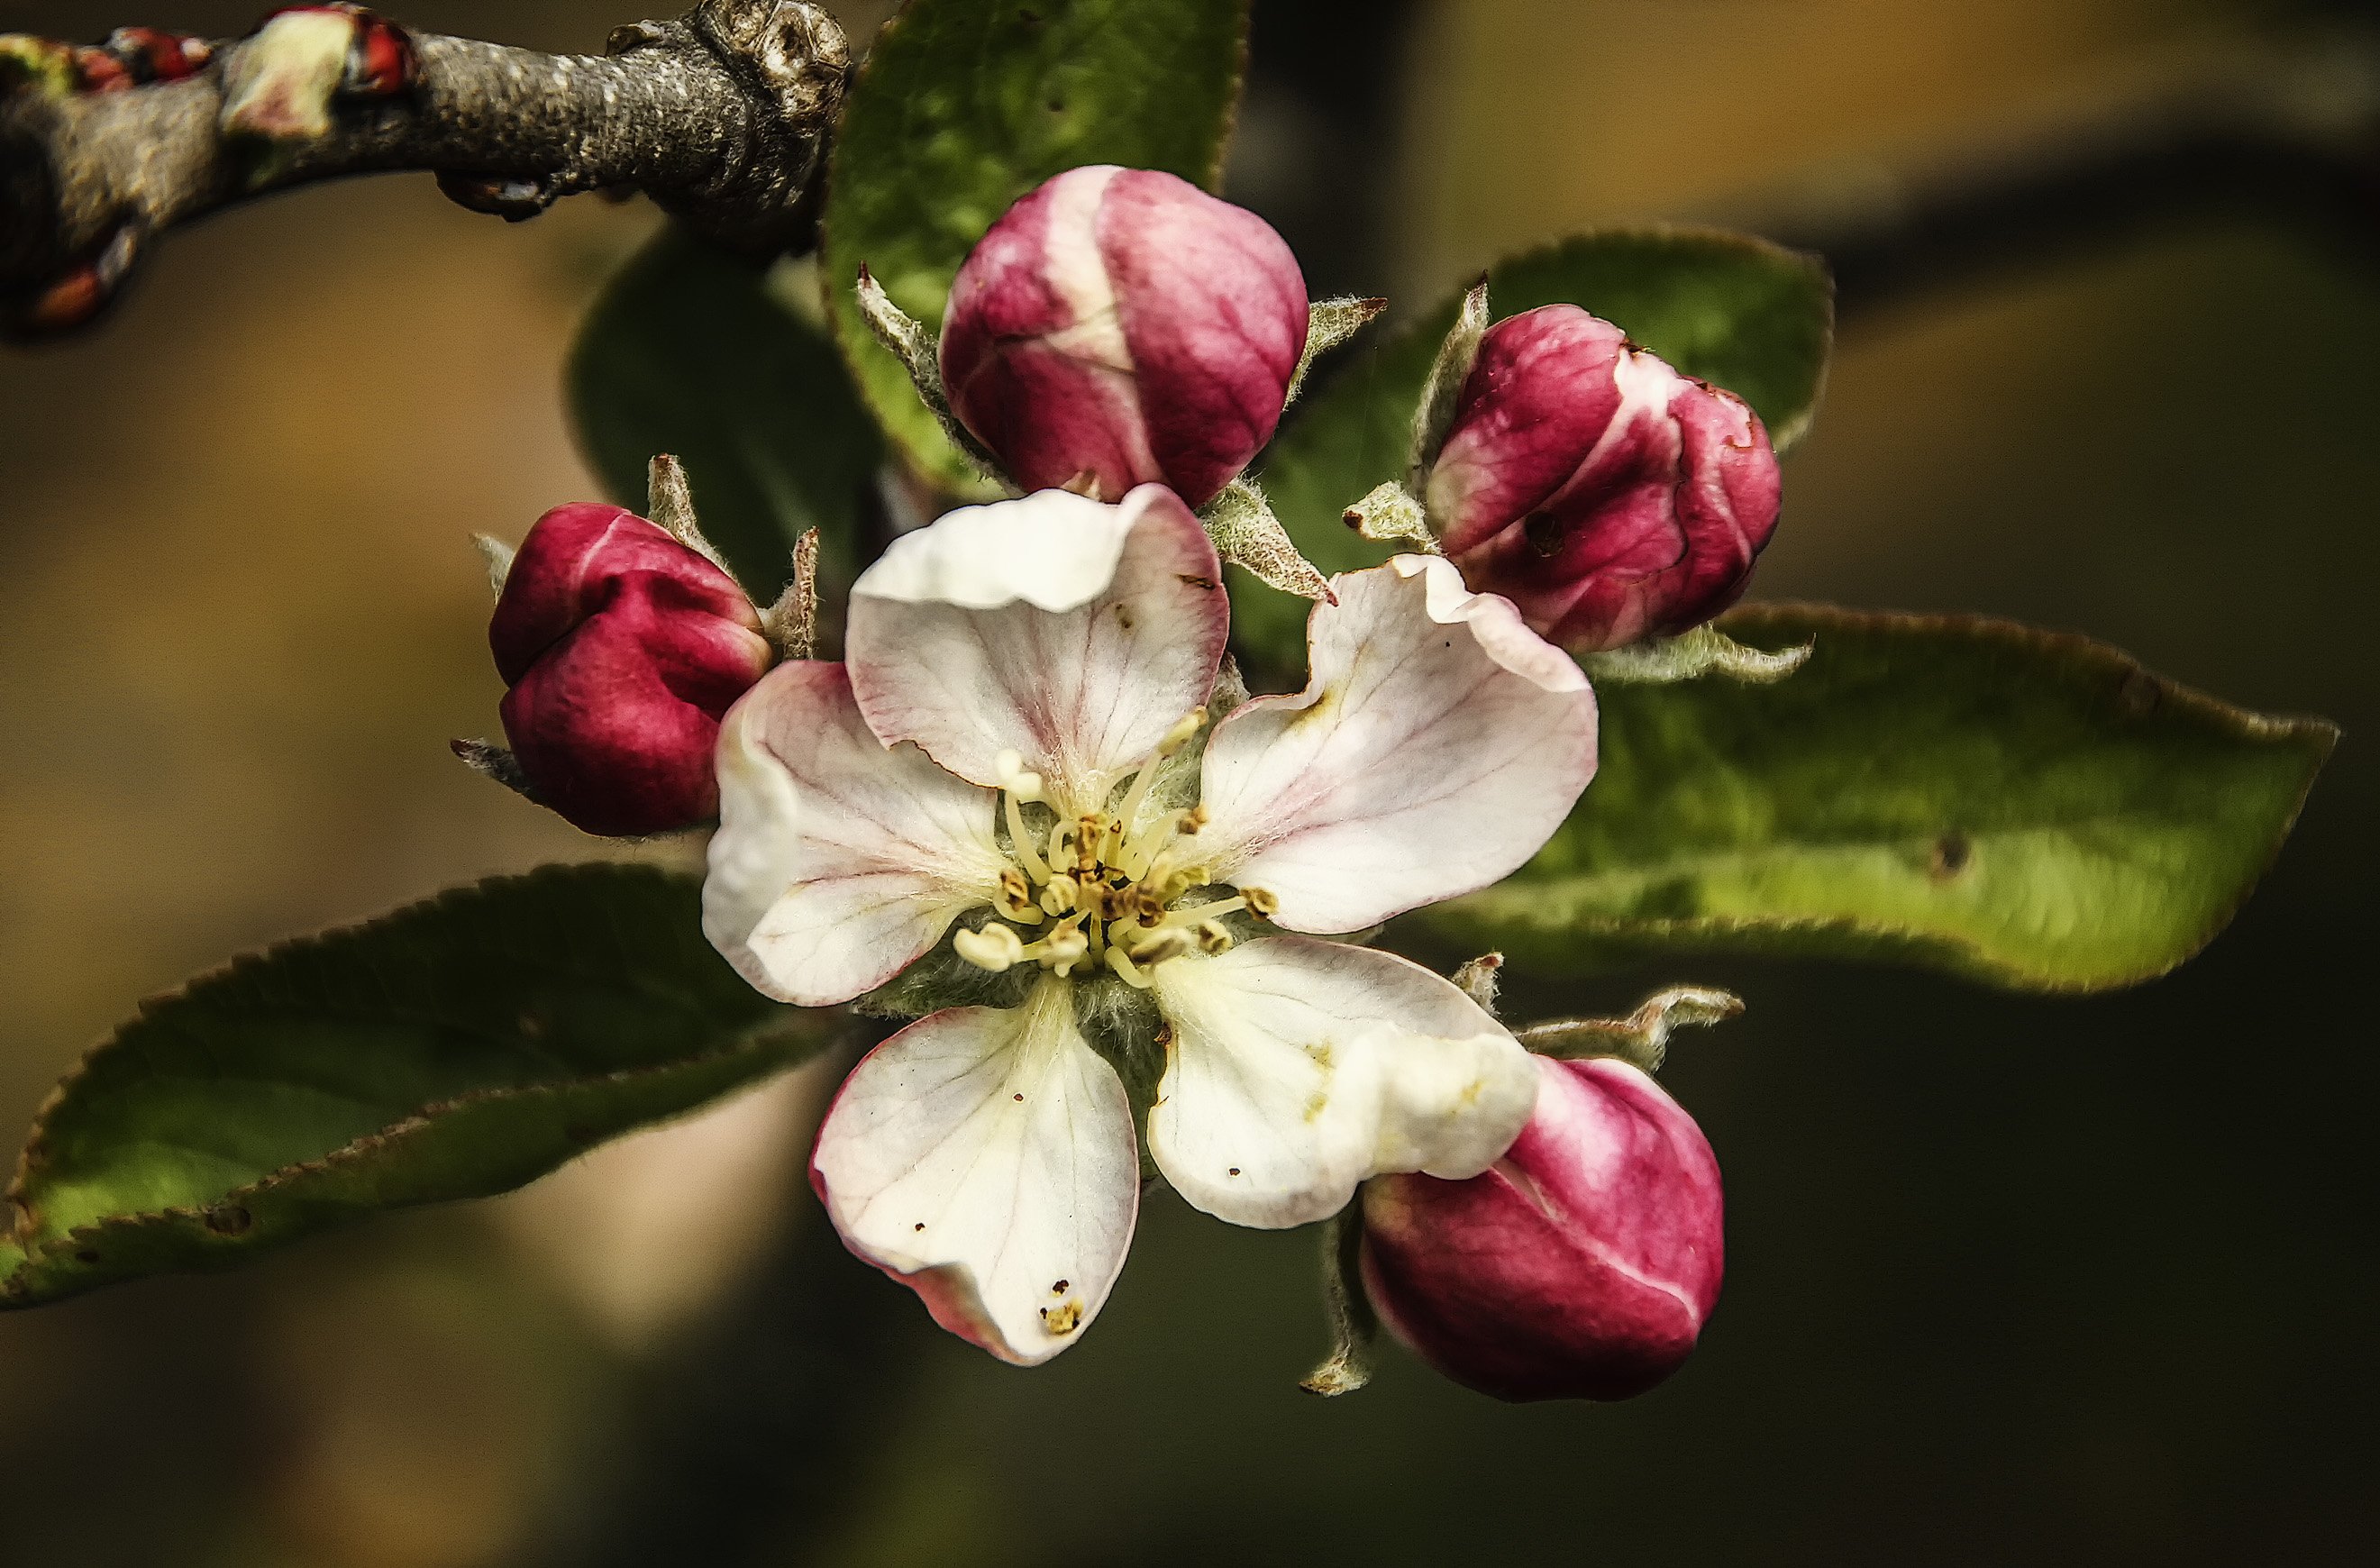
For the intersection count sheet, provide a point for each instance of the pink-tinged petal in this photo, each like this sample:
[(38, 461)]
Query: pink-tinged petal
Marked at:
[(1033, 356), (837, 862), (1609, 497), (1436, 745), (984, 1158), (571, 566), (623, 649), (1581, 1266), (1124, 327), (1539, 398), (1214, 315), (1297, 1068), (1072, 633)]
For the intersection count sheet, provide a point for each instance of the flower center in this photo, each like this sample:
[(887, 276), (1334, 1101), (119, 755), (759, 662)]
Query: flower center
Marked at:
[(1103, 888)]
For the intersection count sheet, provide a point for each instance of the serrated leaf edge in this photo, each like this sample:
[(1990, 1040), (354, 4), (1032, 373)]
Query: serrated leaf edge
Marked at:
[(1960, 955), (30, 1160)]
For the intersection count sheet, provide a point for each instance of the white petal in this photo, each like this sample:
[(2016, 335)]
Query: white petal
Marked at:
[(1436, 745), (1072, 633), (984, 1158), (836, 862), (1297, 1068)]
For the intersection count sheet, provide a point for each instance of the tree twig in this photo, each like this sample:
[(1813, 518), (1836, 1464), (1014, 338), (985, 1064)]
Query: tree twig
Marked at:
[(722, 116)]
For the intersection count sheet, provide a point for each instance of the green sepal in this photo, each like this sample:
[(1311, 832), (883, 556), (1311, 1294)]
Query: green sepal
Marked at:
[(1641, 1039)]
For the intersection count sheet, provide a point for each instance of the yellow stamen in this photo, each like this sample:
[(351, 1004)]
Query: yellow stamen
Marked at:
[(1213, 939), (1063, 949), (1016, 899), (1205, 912), (1015, 778), (1185, 729), (1062, 896), (1262, 905), (1152, 948), (996, 947), (1035, 866), (1125, 969)]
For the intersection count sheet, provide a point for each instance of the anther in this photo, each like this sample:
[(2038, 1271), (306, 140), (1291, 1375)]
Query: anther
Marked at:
[(1262, 905), (1063, 948), (1183, 732), (1090, 838), (996, 947), (1160, 946), (1016, 897), (1126, 970), (1212, 938), (1019, 782), (1063, 895), (1190, 822)]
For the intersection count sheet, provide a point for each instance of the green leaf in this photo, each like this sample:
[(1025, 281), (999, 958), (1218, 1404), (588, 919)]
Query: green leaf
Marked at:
[(458, 1047), (689, 351), (2021, 807), (963, 107), (1741, 313)]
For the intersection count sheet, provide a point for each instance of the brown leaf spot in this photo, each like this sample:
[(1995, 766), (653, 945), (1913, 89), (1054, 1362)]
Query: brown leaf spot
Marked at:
[(230, 1219), (1952, 854)]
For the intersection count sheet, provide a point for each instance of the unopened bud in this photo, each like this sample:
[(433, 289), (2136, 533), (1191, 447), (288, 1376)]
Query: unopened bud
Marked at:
[(623, 649), (1121, 327), (1609, 497), (1580, 1265)]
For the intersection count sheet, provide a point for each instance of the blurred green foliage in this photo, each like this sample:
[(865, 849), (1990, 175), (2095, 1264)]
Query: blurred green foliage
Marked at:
[(457, 1048)]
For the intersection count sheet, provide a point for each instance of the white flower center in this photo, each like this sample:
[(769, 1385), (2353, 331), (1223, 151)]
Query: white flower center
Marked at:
[(1106, 885)]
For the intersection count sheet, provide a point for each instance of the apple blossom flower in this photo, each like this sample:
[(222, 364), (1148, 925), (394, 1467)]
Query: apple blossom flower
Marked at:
[(1123, 327), (623, 649), (1581, 1266), (1609, 497), (1016, 747)]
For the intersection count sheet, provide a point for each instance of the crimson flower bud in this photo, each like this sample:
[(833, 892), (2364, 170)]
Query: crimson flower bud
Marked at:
[(1580, 1265), (1609, 497), (1123, 327), (623, 649), (152, 54)]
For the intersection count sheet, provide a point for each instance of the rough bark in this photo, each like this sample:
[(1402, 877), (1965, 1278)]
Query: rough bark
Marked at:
[(722, 116)]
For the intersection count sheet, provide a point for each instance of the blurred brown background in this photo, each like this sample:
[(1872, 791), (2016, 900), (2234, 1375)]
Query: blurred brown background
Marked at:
[(2012, 1279)]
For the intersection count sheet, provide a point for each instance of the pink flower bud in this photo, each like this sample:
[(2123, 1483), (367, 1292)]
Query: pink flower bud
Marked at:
[(1609, 497), (623, 649), (1580, 1265), (1123, 324)]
